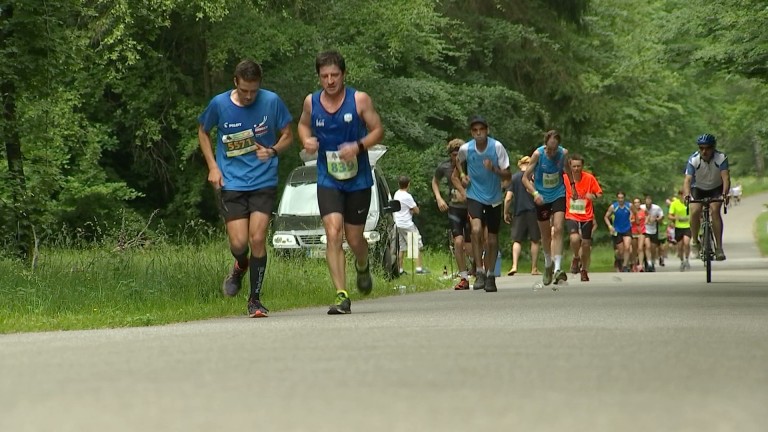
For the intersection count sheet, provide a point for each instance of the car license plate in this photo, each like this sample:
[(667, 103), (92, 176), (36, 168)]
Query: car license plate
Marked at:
[(316, 253)]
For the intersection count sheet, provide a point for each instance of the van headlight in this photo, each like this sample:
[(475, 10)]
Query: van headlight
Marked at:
[(372, 236), (324, 239), (284, 240)]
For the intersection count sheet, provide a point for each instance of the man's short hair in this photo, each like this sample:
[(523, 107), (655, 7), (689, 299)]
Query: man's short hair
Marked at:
[(330, 58), (248, 70), (576, 156)]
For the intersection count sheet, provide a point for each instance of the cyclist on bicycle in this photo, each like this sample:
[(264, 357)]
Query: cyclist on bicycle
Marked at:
[(707, 176)]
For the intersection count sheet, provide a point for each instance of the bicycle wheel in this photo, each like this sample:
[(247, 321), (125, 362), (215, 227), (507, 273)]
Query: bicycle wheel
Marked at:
[(706, 247)]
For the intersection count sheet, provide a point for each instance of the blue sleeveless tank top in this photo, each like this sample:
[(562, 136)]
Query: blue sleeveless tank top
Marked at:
[(548, 176), (621, 218), (333, 129)]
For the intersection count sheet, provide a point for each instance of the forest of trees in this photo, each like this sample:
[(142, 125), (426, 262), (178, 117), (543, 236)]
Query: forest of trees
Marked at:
[(100, 98)]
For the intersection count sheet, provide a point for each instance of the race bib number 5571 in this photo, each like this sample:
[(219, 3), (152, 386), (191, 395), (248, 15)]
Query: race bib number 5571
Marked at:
[(239, 143)]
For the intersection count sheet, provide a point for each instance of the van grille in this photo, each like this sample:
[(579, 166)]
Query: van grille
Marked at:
[(310, 240)]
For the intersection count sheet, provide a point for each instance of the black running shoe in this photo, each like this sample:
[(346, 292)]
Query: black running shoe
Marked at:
[(233, 281), (342, 306), (257, 310), (560, 276), (490, 284), (364, 280), (479, 281)]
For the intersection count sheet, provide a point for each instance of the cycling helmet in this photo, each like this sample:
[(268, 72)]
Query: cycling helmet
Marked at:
[(707, 139)]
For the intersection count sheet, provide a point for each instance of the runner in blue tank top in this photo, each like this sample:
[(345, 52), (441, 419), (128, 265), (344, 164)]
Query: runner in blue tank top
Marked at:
[(621, 226), (253, 127), (487, 165), (544, 180), (340, 124)]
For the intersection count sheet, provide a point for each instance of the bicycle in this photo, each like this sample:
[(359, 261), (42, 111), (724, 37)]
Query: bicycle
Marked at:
[(708, 244)]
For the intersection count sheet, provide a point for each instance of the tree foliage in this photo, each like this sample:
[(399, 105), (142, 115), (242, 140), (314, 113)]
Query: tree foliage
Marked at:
[(100, 97)]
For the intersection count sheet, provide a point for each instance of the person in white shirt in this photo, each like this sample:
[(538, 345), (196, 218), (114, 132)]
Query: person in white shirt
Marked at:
[(655, 217), (404, 222)]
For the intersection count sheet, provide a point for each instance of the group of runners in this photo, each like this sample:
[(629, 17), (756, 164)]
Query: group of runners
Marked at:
[(551, 196), (339, 124)]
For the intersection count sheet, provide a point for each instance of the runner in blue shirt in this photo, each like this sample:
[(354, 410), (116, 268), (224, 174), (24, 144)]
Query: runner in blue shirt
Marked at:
[(340, 123), (621, 227), (487, 165), (544, 180), (253, 126)]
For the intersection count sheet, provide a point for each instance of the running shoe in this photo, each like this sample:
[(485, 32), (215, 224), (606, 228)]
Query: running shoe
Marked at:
[(479, 281), (233, 282), (342, 306), (548, 271), (560, 276), (584, 276), (490, 284), (364, 280), (257, 310), (687, 264), (575, 265), (462, 285)]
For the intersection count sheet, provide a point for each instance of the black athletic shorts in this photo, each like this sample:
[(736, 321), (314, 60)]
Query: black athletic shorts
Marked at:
[(240, 204), (698, 194), (583, 228), (490, 215), (458, 217), (682, 232), (545, 211), (353, 206)]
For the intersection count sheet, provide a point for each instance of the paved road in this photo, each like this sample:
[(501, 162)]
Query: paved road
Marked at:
[(634, 352)]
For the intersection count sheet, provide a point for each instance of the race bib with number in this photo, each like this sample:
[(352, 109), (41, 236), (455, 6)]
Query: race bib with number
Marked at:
[(551, 180), (339, 169), (578, 206), (239, 143)]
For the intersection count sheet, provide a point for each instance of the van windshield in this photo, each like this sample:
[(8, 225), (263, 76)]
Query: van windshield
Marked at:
[(299, 200)]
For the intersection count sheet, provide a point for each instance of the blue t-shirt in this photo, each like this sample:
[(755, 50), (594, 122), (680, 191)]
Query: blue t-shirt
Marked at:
[(239, 129), (484, 185), (332, 130), (548, 175), (621, 218)]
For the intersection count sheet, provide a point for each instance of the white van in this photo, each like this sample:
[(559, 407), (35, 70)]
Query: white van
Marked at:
[(298, 229)]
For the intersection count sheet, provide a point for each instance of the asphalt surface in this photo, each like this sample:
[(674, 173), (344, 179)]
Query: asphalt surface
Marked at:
[(625, 352)]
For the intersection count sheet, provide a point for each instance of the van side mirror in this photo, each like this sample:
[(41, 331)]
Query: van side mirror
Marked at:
[(392, 207)]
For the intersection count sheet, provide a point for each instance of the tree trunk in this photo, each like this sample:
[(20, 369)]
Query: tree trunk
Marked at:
[(757, 146), (20, 218)]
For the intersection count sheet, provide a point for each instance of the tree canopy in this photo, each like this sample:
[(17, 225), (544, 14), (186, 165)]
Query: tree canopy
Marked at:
[(100, 98)]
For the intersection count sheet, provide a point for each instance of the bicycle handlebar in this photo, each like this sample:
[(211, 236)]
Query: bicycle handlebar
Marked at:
[(707, 201)]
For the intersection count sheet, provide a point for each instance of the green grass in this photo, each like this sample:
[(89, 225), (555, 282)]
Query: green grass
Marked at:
[(751, 185), (761, 232), (85, 289), (95, 288)]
